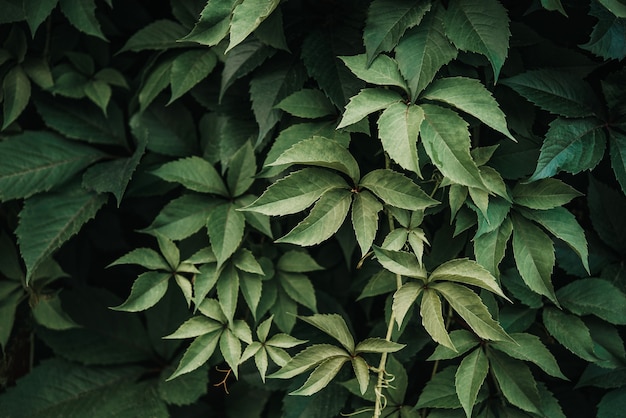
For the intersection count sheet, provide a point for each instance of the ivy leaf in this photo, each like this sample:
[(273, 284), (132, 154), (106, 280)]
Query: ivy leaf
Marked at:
[(571, 332), (307, 103), (403, 300), (470, 96), (383, 70), (544, 194), (333, 325), (467, 272), (296, 192), (400, 262), (194, 173), (534, 256), (423, 50), (247, 16), (197, 353), (147, 290), (432, 318), (447, 143), (398, 128), (82, 15), (483, 29), (16, 92), (188, 69), (516, 382), (558, 92), (307, 359), (225, 227), (598, 297), (47, 221), (35, 162), (365, 210), (469, 378), (366, 102), (323, 221), (396, 190), (321, 376), (321, 152), (386, 23), (571, 145)]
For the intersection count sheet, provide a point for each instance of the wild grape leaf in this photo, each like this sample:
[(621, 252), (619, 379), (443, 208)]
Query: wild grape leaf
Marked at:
[(398, 128), (366, 102), (482, 28), (247, 16)]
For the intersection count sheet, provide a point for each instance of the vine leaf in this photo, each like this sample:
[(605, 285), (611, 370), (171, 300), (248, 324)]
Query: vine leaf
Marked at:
[(544, 194), (195, 174), (307, 103), (516, 382), (383, 70), (247, 16), (333, 325), (213, 24), (365, 208), (225, 226), (398, 128), (188, 69), (366, 102), (82, 15), (307, 359), (469, 378), (403, 300), (321, 376), (467, 272), (16, 92), (400, 262), (397, 190), (197, 353), (571, 332), (594, 296), (432, 318), (147, 290)]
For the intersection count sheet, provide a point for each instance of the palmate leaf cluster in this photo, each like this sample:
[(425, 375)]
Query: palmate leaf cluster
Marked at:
[(296, 208)]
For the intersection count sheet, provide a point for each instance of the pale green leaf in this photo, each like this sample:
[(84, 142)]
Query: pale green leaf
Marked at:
[(398, 128), (283, 308), (213, 23), (182, 216), (299, 288), (468, 272), (387, 20), (188, 69), (471, 308), (482, 28), (383, 70), (534, 256), (571, 332), (82, 15), (225, 227), (469, 378), (366, 102), (197, 353), (147, 290), (297, 262), (278, 355), (544, 194), (397, 190), (403, 300), (145, 257), (283, 341), (333, 325), (194, 327), (597, 297), (423, 50), (446, 139), (37, 161), (432, 318), (258, 221), (230, 347), (365, 210), (396, 239), (307, 103), (378, 345), (16, 94), (158, 35), (400, 262), (247, 16), (194, 173), (321, 152), (361, 371), (212, 309), (228, 291), (470, 96), (321, 376), (260, 360), (251, 286), (516, 382), (244, 260), (241, 170), (490, 248), (463, 340), (323, 221), (307, 359)]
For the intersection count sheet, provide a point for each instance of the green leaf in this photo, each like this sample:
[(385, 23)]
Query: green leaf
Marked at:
[(467, 272), (463, 340), (99, 93), (400, 262), (383, 70), (225, 227), (37, 161), (230, 347), (553, 5), (562, 224), (8, 307), (482, 28), (247, 16), (544, 194), (194, 173), (534, 256), (187, 389), (307, 359), (571, 145), (571, 332), (597, 297), (469, 378), (440, 392), (398, 128), (361, 371), (432, 318), (194, 327), (618, 157), (82, 15), (558, 92), (145, 257), (213, 24), (147, 290), (471, 308), (366, 102), (404, 298), (297, 262), (447, 143), (470, 96), (604, 38), (606, 207), (529, 347), (323, 221), (423, 50), (386, 23), (182, 216), (241, 170), (611, 403), (188, 69), (333, 325), (228, 291), (37, 11), (49, 313), (159, 35), (321, 376), (48, 221), (197, 353), (516, 382), (257, 221), (396, 190), (241, 60), (16, 92), (321, 152), (296, 192), (490, 248), (378, 345), (299, 288), (307, 103), (157, 78), (365, 219)]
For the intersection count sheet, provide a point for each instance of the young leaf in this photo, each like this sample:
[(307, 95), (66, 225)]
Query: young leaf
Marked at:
[(194, 327), (404, 298), (383, 70), (188, 69), (321, 376), (396, 190), (398, 128), (194, 173), (366, 102), (228, 291), (323, 221), (307, 103), (307, 359), (447, 143), (247, 16), (597, 297), (400, 262), (197, 354), (225, 227), (145, 257), (571, 332), (386, 23), (432, 318), (297, 262), (213, 24), (516, 382), (82, 15), (378, 345), (423, 50), (482, 28), (470, 96), (534, 256), (321, 152), (183, 216), (333, 325), (467, 272), (365, 210), (361, 371), (147, 290), (469, 378), (16, 92), (230, 347)]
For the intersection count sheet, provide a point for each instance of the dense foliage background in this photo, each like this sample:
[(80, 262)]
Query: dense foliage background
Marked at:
[(264, 208)]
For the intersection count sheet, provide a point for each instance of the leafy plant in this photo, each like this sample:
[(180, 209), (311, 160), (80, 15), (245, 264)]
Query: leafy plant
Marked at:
[(391, 208)]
